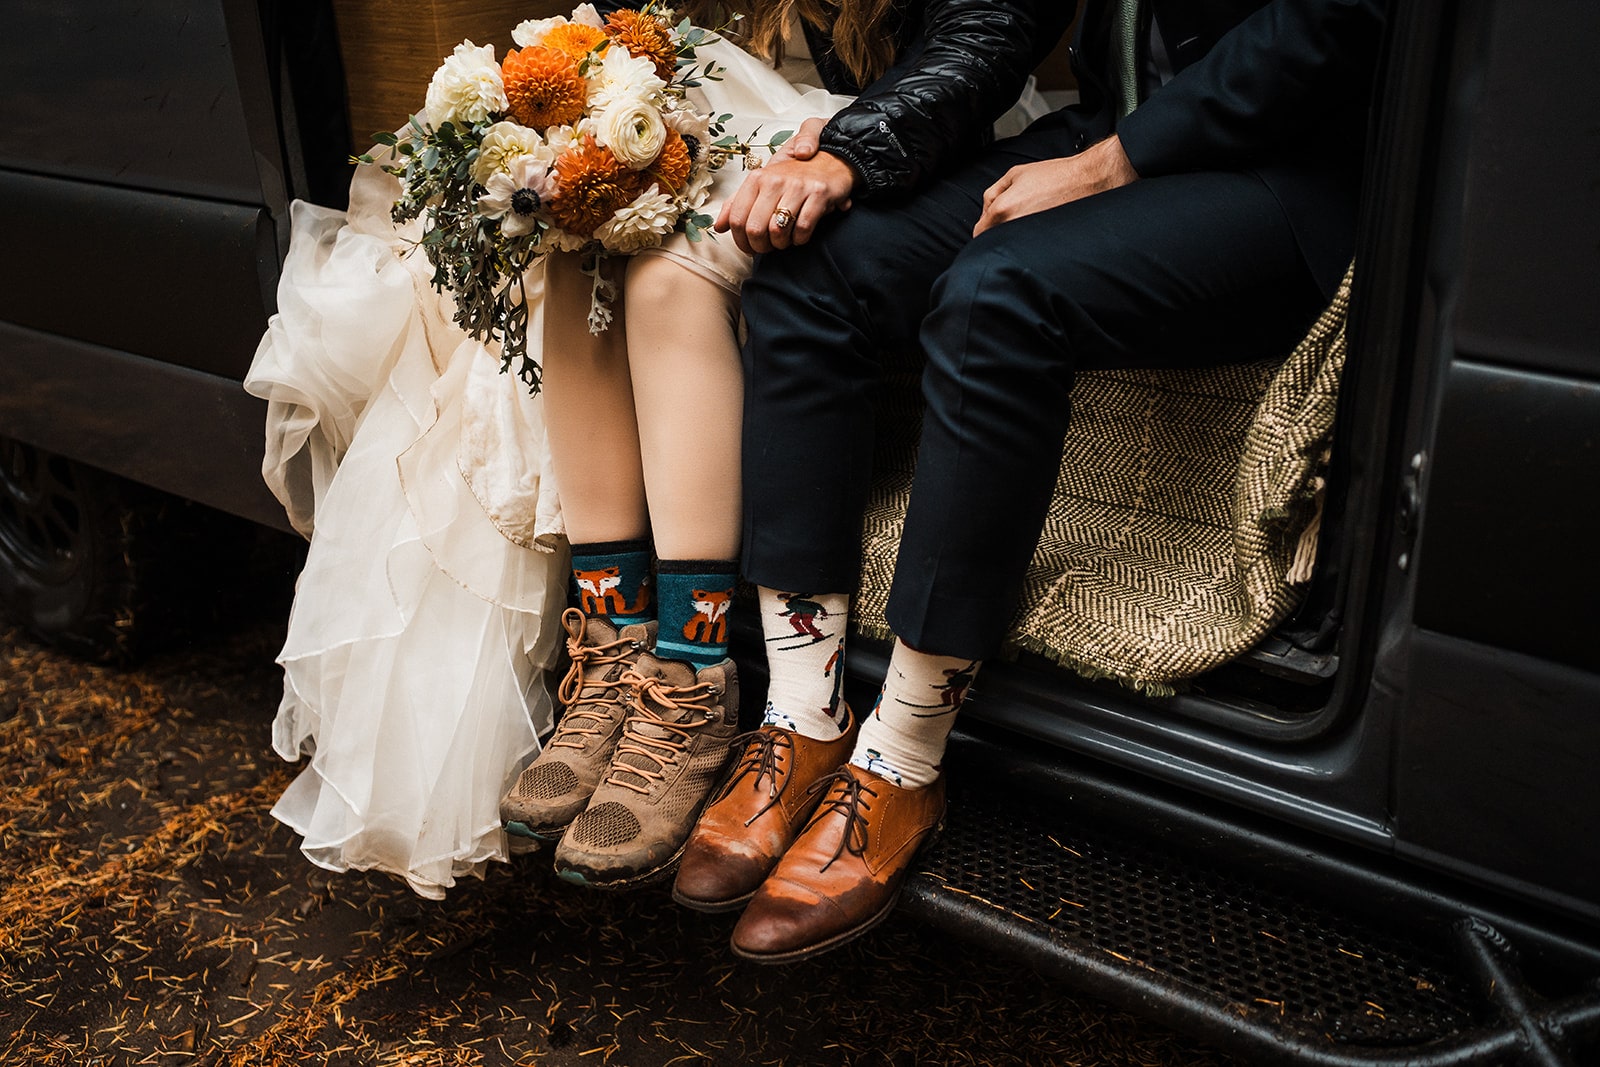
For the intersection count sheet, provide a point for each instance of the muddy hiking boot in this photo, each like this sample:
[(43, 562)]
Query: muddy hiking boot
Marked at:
[(556, 786), (675, 741)]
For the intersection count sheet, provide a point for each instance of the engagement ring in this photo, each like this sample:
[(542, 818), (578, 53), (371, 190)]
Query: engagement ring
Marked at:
[(783, 218)]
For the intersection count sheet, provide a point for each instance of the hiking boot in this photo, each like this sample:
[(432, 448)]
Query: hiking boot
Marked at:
[(674, 742), (554, 788)]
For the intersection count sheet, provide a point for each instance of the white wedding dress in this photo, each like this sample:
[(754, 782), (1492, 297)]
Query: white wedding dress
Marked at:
[(428, 608)]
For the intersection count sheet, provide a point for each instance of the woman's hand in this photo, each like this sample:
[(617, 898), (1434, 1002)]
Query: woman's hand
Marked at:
[(1035, 187), (780, 205)]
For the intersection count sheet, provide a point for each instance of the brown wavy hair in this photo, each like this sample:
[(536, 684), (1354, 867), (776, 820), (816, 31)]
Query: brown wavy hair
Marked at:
[(863, 30)]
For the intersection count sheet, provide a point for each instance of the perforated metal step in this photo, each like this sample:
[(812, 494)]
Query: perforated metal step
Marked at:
[(1251, 960)]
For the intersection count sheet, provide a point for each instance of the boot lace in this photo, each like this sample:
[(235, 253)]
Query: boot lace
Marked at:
[(760, 758), (650, 734), (850, 802), (588, 702)]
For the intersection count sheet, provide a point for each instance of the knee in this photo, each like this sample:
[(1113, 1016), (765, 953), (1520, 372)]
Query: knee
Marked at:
[(993, 309), (849, 257), (662, 295)]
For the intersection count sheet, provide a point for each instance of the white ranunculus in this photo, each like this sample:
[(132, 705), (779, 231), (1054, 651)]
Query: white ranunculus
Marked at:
[(467, 87), (586, 15), (532, 32), (633, 131), (517, 195), (558, 139), (642, 224), (503, 142), (620, 76)]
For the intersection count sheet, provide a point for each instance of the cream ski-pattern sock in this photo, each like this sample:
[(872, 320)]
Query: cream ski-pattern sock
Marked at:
[(805, 655), (903, 740)]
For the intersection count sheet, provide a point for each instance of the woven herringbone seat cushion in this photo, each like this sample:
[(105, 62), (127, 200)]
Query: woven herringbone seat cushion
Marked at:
[(1183, 524)]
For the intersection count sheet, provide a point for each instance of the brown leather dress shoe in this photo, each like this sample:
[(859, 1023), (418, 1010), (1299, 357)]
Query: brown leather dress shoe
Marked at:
[(755, 815), (842, 875)]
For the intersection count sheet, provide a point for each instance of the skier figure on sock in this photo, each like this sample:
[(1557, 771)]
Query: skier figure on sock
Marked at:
[(803, 613)]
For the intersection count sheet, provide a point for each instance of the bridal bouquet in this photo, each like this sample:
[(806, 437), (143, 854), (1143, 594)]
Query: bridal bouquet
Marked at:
[(581, 139)]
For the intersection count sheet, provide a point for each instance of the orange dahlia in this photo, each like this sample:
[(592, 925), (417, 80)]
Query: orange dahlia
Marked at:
[(594, 186), (544, 87), (671, 167), (575, 39), (645, 36)]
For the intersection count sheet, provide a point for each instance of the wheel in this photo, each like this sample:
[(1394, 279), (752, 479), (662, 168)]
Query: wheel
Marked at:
[(69, 560)]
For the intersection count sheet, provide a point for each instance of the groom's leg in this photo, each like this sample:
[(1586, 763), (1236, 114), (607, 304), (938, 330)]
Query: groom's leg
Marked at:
[(1187, 270), (822, 317)]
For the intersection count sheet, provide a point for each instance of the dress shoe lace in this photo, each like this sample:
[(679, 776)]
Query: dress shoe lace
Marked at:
[(580, 695), (851, 802), (760, 758), (654, 737)]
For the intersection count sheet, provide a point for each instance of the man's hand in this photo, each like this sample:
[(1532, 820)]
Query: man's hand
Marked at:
[(805, 142), (802, 183), (1035, 187)]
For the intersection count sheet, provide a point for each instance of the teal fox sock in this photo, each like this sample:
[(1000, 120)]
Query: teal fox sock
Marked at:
[(611, 579), (692, 599)]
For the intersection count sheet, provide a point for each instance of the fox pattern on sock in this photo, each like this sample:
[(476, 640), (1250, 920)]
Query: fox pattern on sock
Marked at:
[(598, 592), (710, 621)]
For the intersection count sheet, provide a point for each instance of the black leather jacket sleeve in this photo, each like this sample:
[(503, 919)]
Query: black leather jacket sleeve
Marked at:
[(960, 73), (1269, 82)]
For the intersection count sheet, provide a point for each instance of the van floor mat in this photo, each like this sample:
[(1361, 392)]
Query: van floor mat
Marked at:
[(1241, 954)]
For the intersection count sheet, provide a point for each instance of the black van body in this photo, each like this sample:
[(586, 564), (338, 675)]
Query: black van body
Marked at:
[(1375, 839)]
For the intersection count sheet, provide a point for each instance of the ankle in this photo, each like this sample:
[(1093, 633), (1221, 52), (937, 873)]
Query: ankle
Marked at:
[(903, 739), (805, 635)]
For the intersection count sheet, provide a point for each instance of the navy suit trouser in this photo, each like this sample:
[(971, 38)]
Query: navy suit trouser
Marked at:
[(1186, 270)]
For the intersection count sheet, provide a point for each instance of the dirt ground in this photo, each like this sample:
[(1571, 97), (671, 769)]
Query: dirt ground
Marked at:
[(152, 912)]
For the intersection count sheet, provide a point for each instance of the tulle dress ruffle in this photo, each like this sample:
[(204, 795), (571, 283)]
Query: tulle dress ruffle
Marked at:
[(413, 666), (429, 606)]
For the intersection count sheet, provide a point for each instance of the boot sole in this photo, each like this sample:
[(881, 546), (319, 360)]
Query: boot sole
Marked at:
[(712, 907), (634, 881), (522, 829)]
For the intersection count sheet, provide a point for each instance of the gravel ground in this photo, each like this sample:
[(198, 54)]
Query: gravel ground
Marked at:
[(151, 912)]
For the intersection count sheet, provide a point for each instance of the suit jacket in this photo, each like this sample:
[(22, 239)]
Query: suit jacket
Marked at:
[(1279, 87)]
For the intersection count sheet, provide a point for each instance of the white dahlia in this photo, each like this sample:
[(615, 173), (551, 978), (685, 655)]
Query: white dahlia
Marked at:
[(467, 87), (620, 77), (642, 224), (503, 142)]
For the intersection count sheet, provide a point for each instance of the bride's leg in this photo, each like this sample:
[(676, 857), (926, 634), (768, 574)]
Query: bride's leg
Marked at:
[(588, 398), (594, 448), (688, 390)]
